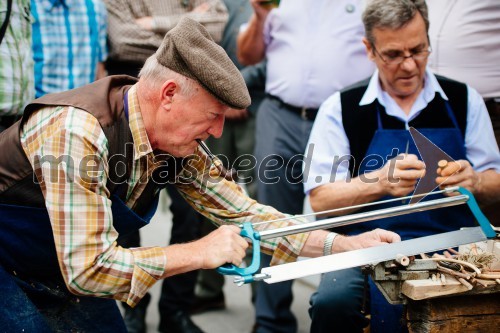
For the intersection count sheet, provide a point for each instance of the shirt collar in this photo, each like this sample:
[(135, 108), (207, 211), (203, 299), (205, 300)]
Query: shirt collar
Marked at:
[(51, 4), (375, 92), (142, 146)]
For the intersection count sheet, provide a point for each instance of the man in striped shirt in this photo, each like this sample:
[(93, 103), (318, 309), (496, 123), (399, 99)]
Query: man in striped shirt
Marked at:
[(85, 166), (69, 43)]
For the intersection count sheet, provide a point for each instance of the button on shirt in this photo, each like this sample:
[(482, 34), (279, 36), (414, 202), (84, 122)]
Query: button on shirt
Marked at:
[(330, 140), (314, 48), (82, 223), (69, 39)]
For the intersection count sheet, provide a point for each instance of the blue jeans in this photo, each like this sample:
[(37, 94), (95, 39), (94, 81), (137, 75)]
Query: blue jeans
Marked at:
[(337, 305), (27, 305)]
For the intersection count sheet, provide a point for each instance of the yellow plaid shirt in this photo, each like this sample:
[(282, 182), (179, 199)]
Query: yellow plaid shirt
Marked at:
[(79, 204)]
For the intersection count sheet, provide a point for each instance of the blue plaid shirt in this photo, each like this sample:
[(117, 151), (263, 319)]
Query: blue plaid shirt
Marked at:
[(69, 40)]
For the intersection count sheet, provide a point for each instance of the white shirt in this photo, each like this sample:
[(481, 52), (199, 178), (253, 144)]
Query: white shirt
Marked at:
[(314, 48), (465, 40), (329, 138)]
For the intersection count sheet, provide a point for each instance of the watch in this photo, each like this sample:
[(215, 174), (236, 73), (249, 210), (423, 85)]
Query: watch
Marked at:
[(327, 245)]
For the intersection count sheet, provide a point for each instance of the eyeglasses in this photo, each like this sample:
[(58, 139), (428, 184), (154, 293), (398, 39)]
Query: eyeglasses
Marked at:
[(398, 58)]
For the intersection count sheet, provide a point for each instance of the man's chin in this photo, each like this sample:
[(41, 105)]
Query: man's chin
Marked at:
[(407, 90), (183, 151)]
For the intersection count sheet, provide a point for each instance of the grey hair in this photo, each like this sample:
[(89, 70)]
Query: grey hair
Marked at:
[(155, 74), (392, 14)]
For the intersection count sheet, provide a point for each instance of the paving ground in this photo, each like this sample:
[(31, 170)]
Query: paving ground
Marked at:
[(239, 315)]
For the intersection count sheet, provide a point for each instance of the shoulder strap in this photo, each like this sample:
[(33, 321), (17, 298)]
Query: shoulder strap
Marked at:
[(359, 122), (5, 23), (458, 98)]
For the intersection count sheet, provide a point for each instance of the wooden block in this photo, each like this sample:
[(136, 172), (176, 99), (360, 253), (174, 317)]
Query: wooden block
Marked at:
[(466, 313), (476, 324), (423, 289)]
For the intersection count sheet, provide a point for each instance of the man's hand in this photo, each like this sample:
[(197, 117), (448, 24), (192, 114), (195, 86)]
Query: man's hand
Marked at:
[(145, 23), (202, 8), (368, 239), (399, 175), (221, 246), (459, 173)]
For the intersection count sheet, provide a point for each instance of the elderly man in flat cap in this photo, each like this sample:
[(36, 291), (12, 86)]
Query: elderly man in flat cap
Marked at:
[(86, 165)]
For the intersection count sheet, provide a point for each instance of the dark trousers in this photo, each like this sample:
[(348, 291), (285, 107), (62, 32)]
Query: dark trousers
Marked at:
[(177, 292), (340, 300), (31, 305), (281, 137), (338, 303)]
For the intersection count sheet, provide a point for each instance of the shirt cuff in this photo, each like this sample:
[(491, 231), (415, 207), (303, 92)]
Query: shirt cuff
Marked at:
[(149, 267)]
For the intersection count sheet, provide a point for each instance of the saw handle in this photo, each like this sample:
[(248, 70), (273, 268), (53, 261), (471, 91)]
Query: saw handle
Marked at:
[(230, 269)]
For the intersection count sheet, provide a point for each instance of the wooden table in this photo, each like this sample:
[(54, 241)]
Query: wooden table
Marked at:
[(477, 310)]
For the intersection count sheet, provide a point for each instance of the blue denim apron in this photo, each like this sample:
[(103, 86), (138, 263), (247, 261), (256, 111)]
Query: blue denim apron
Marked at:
[(384, 317), (386, 144), (33, 294)]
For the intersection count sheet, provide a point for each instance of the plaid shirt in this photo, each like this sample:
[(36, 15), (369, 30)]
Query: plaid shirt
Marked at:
[(129, 42), (80, 210), (69, 40), (16, 61)]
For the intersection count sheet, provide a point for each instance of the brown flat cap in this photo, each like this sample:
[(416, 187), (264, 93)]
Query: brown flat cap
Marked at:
[(189, 50)]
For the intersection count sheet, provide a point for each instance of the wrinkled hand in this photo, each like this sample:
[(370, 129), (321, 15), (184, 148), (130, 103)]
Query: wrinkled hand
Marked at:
[(399, 175), (221, 246), (375, 237), (236, 115), (459, 173), (145, 23)]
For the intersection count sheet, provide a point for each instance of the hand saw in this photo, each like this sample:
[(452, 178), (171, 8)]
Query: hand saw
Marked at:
[(363, 256)]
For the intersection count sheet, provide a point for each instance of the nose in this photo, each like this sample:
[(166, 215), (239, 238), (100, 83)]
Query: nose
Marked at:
[(216, 128), (409, 63)]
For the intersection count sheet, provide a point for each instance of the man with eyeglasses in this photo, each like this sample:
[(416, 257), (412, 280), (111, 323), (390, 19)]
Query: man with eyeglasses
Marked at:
[(354, 147)]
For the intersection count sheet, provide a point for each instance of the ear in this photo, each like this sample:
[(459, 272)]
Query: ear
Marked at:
[(168, 90), (369, 49)]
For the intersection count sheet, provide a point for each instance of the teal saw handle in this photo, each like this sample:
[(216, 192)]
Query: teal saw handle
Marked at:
[(478, 214), (246, 272)]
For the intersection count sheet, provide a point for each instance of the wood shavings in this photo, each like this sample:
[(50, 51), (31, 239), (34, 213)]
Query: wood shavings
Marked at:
[(480, 260)]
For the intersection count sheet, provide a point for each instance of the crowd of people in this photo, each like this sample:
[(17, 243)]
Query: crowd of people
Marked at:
[(265, 84)]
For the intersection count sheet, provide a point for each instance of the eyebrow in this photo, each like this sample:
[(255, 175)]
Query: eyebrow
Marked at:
[(417, 47)]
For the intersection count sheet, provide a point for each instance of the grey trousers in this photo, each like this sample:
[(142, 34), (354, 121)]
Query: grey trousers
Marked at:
[(281, 139)]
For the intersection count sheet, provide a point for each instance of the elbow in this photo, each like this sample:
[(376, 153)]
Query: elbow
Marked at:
[(248, 58), (74, 287), (314, 201), (249, 52)]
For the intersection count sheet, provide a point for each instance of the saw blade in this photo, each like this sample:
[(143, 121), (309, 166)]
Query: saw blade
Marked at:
[(372, 255)]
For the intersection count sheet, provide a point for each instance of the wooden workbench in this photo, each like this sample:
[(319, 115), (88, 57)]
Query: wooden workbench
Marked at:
[(477, 310)]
